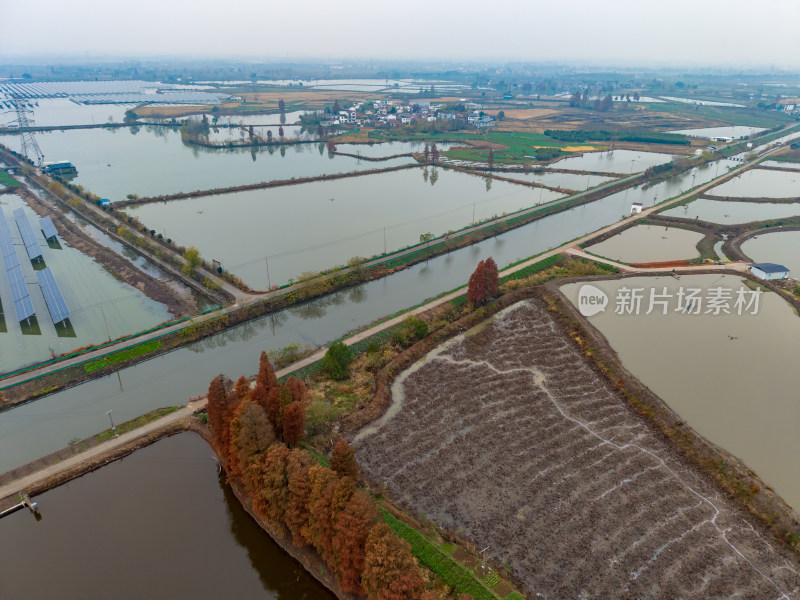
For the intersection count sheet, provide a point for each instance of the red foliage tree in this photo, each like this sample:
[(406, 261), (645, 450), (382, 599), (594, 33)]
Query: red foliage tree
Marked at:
[(273, 498), (258, 394), (483, 282), (266, 373), (492, 277), (294, 423), (350, 538), (297, 389), (390, 570), (296, 519), (251, 436), (274, 410), (476, 291), (216, 407), (242, 388), (319, 531), (343, 460)]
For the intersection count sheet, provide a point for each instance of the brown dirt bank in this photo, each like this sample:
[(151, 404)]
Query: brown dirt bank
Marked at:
[(179, 304), (762, 200), (258, 186), (596, 495)]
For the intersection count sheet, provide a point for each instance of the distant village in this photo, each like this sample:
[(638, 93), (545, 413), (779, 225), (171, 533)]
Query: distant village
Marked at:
[(393, 113)]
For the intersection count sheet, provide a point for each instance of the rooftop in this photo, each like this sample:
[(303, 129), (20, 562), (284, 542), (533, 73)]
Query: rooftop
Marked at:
[(770, 267)]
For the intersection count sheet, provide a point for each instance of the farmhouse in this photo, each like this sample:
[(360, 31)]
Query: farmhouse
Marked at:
[(769, 271), (636, 208)]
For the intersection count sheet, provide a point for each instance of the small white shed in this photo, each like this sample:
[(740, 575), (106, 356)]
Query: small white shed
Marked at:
[(769, 271)]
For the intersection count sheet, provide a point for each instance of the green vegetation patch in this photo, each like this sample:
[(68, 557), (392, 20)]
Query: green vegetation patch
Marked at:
[(749, 117), (548, 262), (137, 422), (122, 355), (7, 180), (520, 147), (461, 579), (649, 137)]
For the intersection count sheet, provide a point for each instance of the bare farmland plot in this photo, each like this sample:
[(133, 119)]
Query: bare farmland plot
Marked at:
[(509, 437)]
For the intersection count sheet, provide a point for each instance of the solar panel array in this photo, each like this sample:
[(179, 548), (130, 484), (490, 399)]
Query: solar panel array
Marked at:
[(28, 237), (48, 229), (52, 295), (23, 305)]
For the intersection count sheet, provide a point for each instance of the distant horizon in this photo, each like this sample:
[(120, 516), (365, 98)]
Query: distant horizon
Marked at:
[(686, 34), (381, 63)]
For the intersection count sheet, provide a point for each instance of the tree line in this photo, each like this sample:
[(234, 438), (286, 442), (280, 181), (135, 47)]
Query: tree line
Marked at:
[(256, 431), (580, 135)]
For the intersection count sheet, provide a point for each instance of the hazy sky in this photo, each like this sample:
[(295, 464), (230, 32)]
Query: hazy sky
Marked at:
[(738, 32)]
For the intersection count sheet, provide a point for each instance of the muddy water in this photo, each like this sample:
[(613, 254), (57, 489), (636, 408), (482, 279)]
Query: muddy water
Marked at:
[(569, 181), (732, 377), (736, 131), (151, 160), (649, 243), (760, 183), (780, 164), (316, 226), (782, 247), (157, 524), (616, 161), (94, 297), (37, 428), (719, 211)]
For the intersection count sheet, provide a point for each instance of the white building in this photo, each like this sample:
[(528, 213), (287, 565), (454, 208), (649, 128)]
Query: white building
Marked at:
[(636, 208), (769, 271)]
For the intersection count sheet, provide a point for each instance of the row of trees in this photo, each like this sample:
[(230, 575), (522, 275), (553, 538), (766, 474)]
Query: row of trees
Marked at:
[(431, 153), (313, 505)]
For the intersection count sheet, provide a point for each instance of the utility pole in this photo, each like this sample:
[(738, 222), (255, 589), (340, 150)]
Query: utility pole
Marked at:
[(483, 565), (113, 428), (108, 333), (384, 241), (269, 283)]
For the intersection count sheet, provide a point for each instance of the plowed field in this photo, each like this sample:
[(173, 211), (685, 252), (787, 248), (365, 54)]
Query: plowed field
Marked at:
[(509, 437)]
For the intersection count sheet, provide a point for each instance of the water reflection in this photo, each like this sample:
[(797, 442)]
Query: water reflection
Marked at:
[(162, 512)]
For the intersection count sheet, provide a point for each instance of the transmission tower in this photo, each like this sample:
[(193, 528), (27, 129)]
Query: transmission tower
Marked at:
[(24, 122)]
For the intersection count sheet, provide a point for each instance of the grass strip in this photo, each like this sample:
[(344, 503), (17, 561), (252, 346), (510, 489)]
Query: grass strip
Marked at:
[(122, 355), (461, 579)]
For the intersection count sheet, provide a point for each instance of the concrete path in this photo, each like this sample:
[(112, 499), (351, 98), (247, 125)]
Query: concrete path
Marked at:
[(13, 487)]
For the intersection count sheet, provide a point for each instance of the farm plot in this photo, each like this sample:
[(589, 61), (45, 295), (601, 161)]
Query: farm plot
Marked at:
[(508, 436)]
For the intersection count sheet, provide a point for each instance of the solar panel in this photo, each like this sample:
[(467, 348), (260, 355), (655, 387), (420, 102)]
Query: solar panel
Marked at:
[(23, 305), (6, 244), (48, 229), (52, 295), (28, 237)]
